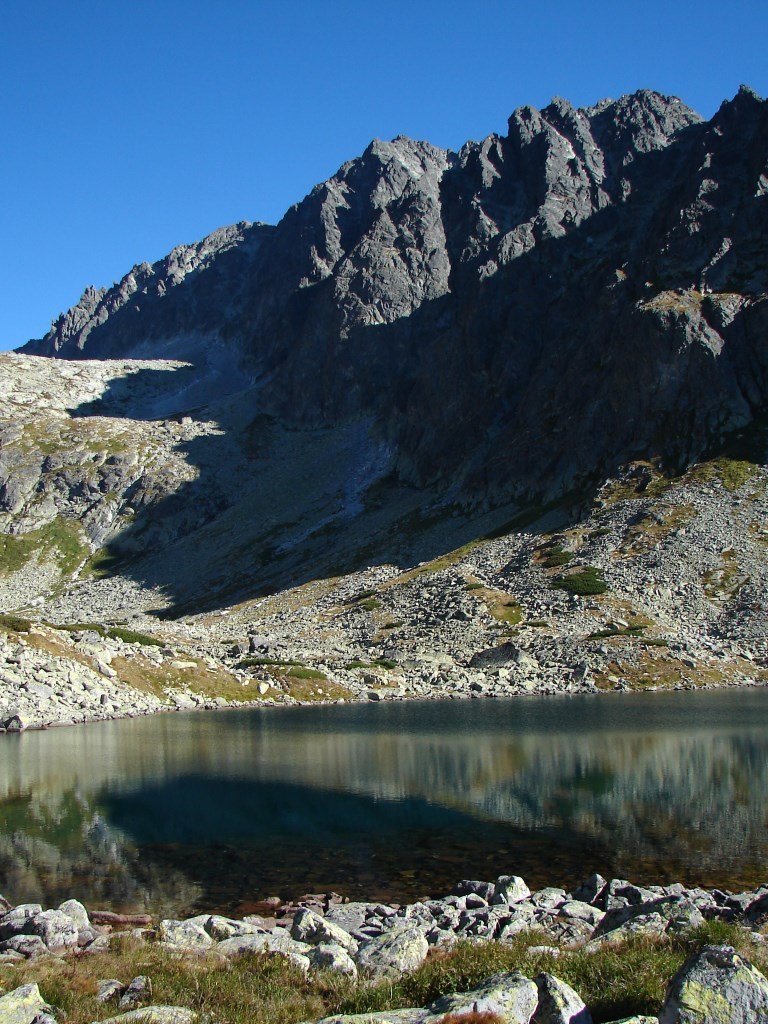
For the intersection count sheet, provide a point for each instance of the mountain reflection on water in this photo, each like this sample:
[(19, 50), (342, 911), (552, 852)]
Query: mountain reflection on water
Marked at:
[(180, 813)]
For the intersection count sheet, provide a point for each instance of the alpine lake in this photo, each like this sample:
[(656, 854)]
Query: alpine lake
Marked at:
[(214, 811)]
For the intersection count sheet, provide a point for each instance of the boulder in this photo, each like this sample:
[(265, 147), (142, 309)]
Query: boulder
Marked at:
[(716, 986), (510, 995), (154, 1015), (313, 929), (637, 1019), (220, 928), (23, 1005), (559, 1003), (330, 957), (28, 946), (590, 890), (109, 989), (266, 942), (409, 1016), (138, 992), (76, 912), (57, 930), (184, 935), (510, 889), (16, 921), (399, 949)]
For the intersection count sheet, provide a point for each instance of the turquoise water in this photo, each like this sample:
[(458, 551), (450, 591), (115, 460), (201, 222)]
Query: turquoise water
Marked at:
[(217, 810)]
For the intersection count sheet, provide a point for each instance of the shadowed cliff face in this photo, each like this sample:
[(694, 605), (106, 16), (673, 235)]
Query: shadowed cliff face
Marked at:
[(516, 317), (487, 328)]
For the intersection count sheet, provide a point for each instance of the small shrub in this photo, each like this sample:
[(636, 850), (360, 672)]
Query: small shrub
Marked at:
[(254, 662), (557, 558), (601, 531), (302, 672), (130, 636), (584, 582), (15, 623)]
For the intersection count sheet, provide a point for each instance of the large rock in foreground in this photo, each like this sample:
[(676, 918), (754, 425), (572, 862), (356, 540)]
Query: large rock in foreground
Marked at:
[(396, 951), (509, 995), (716, 986), (22, 1005)]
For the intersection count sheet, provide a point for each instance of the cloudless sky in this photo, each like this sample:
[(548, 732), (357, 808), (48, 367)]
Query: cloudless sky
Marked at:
[(130, 127)]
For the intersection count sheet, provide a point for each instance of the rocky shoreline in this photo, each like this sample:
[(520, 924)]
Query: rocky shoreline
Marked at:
[(373, 942)]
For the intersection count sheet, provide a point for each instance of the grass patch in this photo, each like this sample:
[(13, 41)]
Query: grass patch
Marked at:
[(732, 473), (615, 981), (196, 677), (316, 687), (15, 624), (60, 541), (644, 480), (507, 611), (102, 563), (473, 586), (369, 604), (584, 582), (557, 558), (128, 636), (601, 531)]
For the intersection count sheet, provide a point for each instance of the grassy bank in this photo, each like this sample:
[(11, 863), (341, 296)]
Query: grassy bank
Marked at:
[(615, 981)]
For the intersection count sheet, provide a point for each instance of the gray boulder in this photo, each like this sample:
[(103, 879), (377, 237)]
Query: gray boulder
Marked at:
[(77, 913), (510, 889), (155, 1015), (57, 930), (313, 929), (184, 935), (716, 986), (138, 992), (331, 957), (559, 1003), (109, 989), (29, 946), (398, 950), (22, 1006), (510, 995), (16, 921)]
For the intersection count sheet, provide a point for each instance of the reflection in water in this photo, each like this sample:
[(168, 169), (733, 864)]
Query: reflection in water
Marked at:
[(186, 812)]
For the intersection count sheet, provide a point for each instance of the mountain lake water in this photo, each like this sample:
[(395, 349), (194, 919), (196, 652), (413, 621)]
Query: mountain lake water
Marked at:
[(184, 813)]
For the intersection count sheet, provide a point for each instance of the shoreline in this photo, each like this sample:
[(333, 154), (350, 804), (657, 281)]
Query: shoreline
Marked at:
[(380, 698), (607, 944)]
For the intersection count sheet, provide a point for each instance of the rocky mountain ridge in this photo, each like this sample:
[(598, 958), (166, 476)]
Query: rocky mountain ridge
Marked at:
[(432, 352)]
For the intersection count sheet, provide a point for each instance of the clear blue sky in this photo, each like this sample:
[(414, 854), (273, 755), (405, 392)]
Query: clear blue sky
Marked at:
[(130, 127)]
